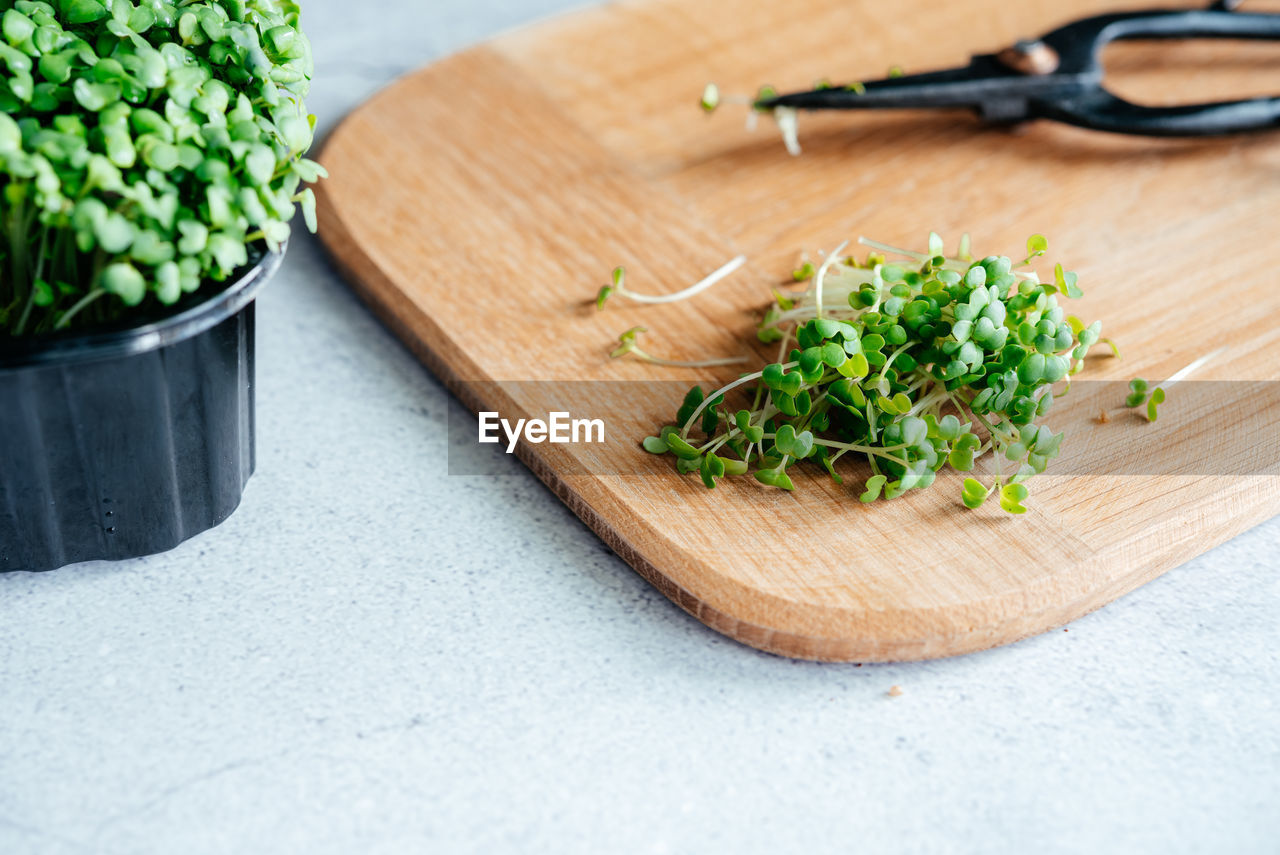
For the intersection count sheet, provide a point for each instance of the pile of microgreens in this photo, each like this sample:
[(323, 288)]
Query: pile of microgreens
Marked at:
[(914, 365), (146, 146)]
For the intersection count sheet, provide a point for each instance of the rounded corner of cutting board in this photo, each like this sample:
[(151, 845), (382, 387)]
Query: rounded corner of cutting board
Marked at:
[(819, 632)]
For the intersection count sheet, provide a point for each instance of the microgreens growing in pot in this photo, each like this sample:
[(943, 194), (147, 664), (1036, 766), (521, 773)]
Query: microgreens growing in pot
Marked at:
[(146, 150), (914, 365)]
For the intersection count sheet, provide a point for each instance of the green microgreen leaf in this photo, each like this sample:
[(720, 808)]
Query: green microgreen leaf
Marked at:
[(44, 294), (710, 98), (1137, 392), (973, 493), (1157, 398), (962, 452), (627, 342), (680, 447), (873, 487), (1065, 281), (1036, 246), (1012, 496), (775, 478), (655, 445), (712, 468), (855, 367)]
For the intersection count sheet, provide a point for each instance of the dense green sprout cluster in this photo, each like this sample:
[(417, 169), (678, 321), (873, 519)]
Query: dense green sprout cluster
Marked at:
[(914, 366), (144, 148)]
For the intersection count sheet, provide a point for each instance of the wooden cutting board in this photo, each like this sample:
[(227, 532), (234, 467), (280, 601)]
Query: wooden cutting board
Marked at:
[(478, 204)]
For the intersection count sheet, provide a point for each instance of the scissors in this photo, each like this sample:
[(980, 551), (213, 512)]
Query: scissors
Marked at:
[(1059, 76)]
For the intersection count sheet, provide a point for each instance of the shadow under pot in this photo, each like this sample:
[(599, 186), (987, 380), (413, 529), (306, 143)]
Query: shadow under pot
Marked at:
[(121, 443)]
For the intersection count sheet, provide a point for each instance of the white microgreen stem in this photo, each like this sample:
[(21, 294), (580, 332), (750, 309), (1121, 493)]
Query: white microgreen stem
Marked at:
[(31, 297), (873, 450), (788, 123), (693, 290), (628, 346), (888, 363), (896, 250), (81, 304), (680, 363), (822, 274), (840, 282), (849, 446), (731, 98), (958, 264), (782, 345), (928, 402), (715, 445), (1186, 371), (746, 378)]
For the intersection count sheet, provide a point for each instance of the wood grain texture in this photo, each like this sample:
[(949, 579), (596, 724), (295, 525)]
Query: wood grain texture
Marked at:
[(477, 205)]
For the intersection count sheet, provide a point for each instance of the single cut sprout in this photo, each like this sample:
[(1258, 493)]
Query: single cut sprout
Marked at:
[(786, 118), (1140, 391), (618, 286)]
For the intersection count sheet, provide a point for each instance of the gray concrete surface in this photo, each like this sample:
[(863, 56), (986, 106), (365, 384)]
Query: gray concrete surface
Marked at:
[(374, 657)]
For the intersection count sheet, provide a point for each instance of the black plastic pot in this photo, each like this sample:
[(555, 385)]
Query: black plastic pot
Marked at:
[(125, 443)]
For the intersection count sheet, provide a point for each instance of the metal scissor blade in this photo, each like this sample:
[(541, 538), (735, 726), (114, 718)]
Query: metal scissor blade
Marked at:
[(985, 84)]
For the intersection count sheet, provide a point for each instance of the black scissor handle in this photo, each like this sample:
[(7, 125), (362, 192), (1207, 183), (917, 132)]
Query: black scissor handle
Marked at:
[(1102, 111), (1079, 45)]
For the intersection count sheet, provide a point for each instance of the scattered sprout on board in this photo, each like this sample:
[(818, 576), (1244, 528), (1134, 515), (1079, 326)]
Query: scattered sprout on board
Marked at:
[(912, 365), (786, 118), (1141, 392), (618, 286), (627, 346), (1138, 395)]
